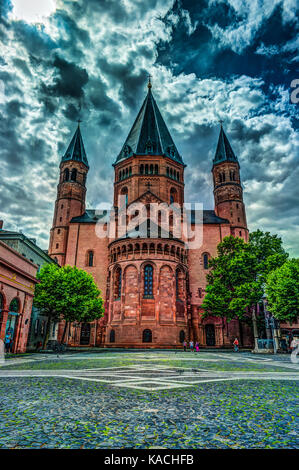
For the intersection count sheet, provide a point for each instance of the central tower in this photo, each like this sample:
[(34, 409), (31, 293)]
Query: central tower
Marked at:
[(147, 276)]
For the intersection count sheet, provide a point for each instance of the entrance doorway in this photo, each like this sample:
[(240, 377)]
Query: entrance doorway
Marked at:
[(210, 335), (147, 336), (85, 334)]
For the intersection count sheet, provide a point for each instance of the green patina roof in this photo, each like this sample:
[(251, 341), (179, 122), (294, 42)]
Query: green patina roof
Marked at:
[(149, 134), (76, 150), (224, 152)]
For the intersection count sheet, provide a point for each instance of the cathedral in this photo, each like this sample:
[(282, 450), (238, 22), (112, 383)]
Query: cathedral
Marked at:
[(152, 281)]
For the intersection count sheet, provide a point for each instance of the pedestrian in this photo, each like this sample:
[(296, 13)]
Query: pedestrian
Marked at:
[(7, 342), (236, 345), (197, 346), (191, 344), (294, 343), (185, 345)]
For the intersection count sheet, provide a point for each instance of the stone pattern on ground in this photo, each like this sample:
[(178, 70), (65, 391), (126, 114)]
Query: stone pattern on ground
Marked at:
[(60, 412)]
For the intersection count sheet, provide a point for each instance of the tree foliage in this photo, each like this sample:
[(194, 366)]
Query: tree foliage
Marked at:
[(282, 290), (237, 275), (67, 293)]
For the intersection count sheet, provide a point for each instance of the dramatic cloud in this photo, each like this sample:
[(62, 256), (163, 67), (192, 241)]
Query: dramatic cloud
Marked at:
[(232, 60)]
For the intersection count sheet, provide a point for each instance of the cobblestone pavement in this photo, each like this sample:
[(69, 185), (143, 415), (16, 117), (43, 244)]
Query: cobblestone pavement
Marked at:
[(149, 399)]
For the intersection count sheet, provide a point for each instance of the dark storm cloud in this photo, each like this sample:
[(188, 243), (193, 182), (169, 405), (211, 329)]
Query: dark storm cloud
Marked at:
[(209, 60), (69, 79), (208, 57)]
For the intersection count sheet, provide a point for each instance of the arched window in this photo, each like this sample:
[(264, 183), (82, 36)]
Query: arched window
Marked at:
[(112, 336), (130, 171), (90, 258), (14, 305), (205, 261), (74, 175), (167, 171), (146, 169), (1, 302), (223, 176), (147, 336), (117, 284), (220, 178), (66, 174), (148, 281), (141, 169), (124, 192), (156, 169), (119, 175), (177, 283), (173, 195)]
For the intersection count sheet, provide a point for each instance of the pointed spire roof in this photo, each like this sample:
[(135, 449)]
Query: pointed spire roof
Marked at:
[(149, 134), (76, 150), (224, 152)]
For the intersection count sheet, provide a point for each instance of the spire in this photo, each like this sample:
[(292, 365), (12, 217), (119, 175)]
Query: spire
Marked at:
[(224, 152), (149, 134), (76, 150)]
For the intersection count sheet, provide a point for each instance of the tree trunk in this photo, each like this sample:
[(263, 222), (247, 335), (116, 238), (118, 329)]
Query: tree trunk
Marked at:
[(255, 331), (46, 337), (64, 332)]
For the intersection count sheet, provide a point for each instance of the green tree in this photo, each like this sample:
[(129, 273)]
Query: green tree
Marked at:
[(282, 290), (67, 293), (238, 273)]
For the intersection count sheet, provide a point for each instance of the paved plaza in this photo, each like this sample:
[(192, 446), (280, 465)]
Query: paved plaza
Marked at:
[(149, 399)]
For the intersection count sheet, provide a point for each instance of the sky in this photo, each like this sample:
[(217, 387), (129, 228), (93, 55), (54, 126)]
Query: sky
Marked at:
[(210, 60)]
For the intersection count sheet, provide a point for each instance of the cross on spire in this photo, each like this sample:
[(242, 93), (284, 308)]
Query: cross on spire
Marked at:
[(221, 122), (149, 85)]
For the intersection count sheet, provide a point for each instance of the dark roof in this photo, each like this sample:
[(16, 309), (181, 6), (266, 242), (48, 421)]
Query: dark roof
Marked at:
[(224, 152), (89, 217), (149, 134), (209, 217), (76, 150)]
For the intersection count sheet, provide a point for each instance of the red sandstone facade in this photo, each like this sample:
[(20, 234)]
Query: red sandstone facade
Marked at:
[(17, 282), (153, 287)]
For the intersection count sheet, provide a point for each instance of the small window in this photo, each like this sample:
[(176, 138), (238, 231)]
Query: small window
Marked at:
[(90, 258), (66, 175), (238, 219), (61, 206), (57, 245), (58, 231), (60, 219), (206, 261), (237, 206), (240, 234), (74, 175)]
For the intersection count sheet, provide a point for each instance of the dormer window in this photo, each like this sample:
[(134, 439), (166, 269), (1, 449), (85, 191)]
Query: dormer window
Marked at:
[(126, 150), (149, 147)]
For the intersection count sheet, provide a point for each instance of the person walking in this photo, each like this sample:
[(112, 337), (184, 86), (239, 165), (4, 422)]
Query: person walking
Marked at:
[(7, 342), (197, 346), (191, 344), (236, 345), (185, 345)]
